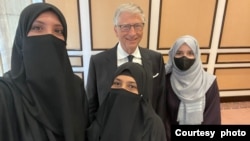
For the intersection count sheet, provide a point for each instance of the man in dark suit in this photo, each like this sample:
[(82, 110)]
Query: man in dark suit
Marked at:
[(128, 26)]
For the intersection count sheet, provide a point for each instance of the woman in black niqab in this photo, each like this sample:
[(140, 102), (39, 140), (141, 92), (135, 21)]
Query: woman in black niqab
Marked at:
[(41, 99), (125, 116)]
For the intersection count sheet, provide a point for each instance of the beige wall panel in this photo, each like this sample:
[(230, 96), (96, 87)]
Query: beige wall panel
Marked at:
[(102, 27), (236, 27), (180, 17), (204, 58), (233, 78), (70, 10), (233, 58), (76, 61)]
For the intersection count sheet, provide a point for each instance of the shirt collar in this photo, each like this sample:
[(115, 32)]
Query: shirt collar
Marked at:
[(123, 54)]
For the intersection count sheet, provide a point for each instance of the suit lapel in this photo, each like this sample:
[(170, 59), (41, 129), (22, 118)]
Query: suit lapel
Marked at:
[(112, 60)]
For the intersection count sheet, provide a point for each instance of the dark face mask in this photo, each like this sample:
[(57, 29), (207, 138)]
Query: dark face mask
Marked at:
[(183, 63)]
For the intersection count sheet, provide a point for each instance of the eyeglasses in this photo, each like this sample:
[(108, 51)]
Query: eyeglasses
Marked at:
[(127, 27)]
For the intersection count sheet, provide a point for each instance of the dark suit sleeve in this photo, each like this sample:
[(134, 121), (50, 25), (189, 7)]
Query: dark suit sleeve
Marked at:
[(161, 101), (159, 89), (212, 114), (91, 90)]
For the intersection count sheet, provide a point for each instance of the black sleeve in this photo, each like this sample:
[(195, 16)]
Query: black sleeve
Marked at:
[(8, 118), (212, 113)]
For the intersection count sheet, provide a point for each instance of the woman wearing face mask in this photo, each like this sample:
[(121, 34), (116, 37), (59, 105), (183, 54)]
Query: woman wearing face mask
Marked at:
[(41, 99), (126, 114), (192, 93)]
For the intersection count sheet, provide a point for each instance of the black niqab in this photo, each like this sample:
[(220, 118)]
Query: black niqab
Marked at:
[(49, 101), (125, 116)]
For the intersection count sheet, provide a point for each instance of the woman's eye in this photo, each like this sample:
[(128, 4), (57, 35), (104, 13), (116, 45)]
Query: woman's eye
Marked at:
[(116, 84), (132, 86), (178, 53), (59, 31), (36, 28), (190, 53)]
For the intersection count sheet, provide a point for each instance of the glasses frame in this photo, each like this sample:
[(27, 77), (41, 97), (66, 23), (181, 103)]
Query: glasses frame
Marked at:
[(127, 27)]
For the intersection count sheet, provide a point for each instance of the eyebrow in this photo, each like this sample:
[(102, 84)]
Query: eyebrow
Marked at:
[(129, 82), (37, 21), (117, 79), (40, 22)]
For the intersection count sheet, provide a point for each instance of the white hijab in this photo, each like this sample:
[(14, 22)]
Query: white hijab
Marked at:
[(190, 85)]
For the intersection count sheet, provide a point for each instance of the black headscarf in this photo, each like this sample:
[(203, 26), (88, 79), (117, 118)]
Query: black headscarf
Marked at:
[(125, 116), (49, 100), (27, 17), (141, 77)]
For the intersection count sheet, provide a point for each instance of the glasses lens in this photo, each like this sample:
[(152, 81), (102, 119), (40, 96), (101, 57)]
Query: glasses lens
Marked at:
[(127, 27), (138, 27)]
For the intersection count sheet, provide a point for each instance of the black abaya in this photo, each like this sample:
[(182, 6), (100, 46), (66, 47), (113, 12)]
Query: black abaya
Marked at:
[(41, 99)]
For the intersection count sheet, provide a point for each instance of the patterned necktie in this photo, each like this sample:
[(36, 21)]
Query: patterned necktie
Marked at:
[(130, 58)]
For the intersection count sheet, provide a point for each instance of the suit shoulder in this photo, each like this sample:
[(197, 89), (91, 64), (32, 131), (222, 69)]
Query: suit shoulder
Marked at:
[(104, 53), (146, 50)]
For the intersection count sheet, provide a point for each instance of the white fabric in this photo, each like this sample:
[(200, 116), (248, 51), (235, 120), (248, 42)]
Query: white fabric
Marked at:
[(190, 85), (122, 56)]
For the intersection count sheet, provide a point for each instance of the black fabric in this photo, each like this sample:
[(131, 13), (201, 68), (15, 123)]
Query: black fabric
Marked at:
[(41, 98), (28, 15), (126, 72), (141, 77), (125, 116), (183, 63)]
